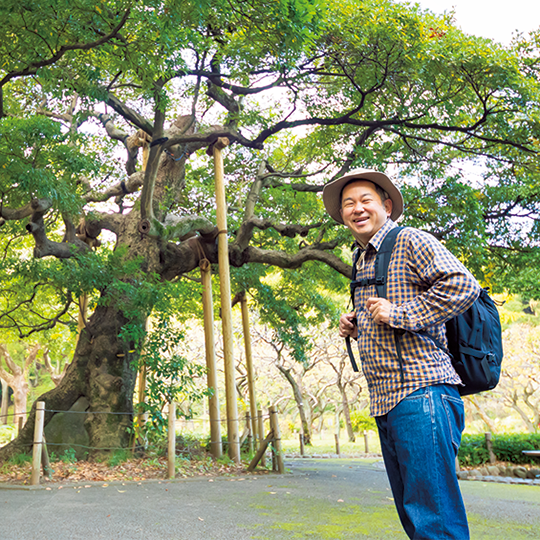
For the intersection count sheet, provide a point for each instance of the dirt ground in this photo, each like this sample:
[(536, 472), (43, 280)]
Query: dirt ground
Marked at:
[(130, 470)]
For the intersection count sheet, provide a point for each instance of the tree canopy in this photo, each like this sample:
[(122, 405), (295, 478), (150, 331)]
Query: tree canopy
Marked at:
[(106, 112)]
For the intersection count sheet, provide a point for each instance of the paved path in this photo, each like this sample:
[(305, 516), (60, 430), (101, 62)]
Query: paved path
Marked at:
[(316, 499)]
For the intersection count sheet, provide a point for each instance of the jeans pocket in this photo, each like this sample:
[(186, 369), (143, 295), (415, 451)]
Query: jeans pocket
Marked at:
[(455, 415)]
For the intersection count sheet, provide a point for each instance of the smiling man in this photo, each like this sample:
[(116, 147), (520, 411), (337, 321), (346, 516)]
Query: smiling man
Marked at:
[(413, 395)]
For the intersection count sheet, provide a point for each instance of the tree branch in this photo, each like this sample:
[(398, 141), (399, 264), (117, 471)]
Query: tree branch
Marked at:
[(33, 67)]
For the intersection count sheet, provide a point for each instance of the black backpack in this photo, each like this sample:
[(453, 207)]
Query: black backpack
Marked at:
[(474, 337)]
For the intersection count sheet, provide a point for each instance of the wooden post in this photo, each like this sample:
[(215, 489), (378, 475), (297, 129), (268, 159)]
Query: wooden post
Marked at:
[(336, 437), (20, 421), (366, 442), (38, 439), (171, 454), (260, 424), (249, 363), (302, 448), (226, 311), (141, 394), (260, 452), (278, 453), (489, 445), (216, 447)]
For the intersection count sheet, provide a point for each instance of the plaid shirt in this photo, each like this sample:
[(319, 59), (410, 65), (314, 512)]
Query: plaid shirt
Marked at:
[(427, 286)]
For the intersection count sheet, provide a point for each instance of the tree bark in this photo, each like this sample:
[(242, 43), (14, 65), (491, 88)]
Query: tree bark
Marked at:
[(299, 399), (346, 412), (4, 407), (102, 372)]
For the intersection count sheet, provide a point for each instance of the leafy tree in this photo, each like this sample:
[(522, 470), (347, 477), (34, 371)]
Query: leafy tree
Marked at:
[(304, 90)]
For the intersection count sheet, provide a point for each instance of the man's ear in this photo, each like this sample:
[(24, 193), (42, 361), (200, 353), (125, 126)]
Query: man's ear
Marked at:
[(388, 206)]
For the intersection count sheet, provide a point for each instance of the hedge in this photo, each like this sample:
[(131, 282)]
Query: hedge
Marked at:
[(506, 447)]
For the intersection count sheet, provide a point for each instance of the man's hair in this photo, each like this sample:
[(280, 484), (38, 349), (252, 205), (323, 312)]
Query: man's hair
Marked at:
[(378, 189)]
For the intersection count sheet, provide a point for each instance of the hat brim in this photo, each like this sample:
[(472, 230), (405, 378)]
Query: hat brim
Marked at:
[(332, 192)]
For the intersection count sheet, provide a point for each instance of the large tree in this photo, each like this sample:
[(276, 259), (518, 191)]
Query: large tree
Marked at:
[(304, 90)]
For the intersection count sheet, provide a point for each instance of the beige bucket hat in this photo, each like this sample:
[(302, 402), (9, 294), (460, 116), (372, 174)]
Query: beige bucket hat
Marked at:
[(332, 191)]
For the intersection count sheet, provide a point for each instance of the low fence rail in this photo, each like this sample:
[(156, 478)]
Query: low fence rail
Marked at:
[(40, 457)]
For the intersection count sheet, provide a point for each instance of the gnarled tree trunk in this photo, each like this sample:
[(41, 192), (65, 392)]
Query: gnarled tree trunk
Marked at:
[(102, 372)]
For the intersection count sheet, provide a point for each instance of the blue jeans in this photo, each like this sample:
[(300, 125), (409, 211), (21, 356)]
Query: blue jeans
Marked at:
[(420, 438)]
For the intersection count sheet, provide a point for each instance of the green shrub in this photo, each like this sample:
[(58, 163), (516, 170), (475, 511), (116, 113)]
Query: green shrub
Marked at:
[(69, 456), (361, 421), (20, 459), (506, 447), (118, 457)]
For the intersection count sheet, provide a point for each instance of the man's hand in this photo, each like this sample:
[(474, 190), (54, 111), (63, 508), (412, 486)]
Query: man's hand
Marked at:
[(346, 325), (379, 309)]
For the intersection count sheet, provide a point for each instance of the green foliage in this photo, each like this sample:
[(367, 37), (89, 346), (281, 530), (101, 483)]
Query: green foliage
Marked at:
[(118, 457), (20, 459), (7, 432), (38, 160), (170, 376), (69, 456), (361, 421), (507, 447)]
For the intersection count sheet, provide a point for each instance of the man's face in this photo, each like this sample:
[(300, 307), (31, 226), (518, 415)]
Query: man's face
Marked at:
[(362, 210)]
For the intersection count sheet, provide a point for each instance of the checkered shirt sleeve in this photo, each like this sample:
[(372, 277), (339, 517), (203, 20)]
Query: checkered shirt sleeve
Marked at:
[(427, 286)]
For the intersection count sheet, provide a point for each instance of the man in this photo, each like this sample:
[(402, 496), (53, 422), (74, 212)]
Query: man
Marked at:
[(416, 402)]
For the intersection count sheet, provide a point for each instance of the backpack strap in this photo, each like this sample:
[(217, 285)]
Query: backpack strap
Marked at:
[(382, 261), (356, 256)]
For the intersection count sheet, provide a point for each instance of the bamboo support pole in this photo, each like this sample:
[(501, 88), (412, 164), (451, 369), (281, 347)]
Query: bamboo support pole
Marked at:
[(277, 453), (38, 439), (226, 311), (260, 425), (249, 364), (171, 454), (250, 422), (216, 447), (141, 396)]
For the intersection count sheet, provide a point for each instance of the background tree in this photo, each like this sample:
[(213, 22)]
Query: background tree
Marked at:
[(304, 90), (348, 384), (17, 379)]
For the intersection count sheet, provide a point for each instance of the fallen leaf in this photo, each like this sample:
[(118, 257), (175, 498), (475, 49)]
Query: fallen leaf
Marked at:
[(340, 500)]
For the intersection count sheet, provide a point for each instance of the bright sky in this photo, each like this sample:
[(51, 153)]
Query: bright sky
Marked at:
[(494, 19)]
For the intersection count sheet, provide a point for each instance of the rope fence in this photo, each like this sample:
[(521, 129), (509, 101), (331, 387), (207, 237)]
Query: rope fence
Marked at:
[(253, 433)]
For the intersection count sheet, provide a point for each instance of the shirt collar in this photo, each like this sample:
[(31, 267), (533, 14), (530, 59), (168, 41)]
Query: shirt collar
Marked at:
[(378, 237)]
